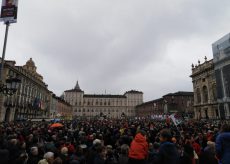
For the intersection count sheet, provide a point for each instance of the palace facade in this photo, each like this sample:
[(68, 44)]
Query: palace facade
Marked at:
[(204, 87), (95, 105), (32, 97)]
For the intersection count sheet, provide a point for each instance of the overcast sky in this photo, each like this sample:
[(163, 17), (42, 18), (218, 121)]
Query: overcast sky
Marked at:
[(116, 45)]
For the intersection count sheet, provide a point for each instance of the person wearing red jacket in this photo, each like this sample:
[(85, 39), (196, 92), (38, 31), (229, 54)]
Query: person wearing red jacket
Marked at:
[(138, 151)]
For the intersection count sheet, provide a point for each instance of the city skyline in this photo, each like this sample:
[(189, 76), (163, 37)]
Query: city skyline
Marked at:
[(116, 46)]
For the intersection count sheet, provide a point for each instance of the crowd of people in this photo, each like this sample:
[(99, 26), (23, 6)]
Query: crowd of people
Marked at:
[(115, 141)]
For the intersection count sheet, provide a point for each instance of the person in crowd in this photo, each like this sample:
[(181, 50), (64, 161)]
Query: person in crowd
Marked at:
[(138, 152), (110, 156), (34, 156), (57, 160), (64, 155), (100, 156), (223, 144), (4, 152), (108, 141), (168, 153), (47, 159), (153, 151), (208, 156), (123, 157), (93, 151)]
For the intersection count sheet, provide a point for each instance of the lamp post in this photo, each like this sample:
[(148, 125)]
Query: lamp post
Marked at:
[(9, 89)]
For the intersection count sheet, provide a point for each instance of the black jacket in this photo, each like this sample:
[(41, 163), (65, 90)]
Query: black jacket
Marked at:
[(168, 154)]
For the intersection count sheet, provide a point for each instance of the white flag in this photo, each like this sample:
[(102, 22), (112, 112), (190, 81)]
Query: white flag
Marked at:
[(175, 120)]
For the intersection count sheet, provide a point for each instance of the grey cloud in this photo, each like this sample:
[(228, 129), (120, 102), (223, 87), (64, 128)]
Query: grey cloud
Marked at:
[(117, 45)]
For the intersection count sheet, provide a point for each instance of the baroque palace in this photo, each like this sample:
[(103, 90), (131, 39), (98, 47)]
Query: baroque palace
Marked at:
[(112, 106), (204, 86), (32, 99)]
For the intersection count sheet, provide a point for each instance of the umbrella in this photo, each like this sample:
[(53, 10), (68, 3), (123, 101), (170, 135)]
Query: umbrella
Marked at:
[(56, 125)]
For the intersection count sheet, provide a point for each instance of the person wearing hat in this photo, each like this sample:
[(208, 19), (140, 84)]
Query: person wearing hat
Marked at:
[(138, 152), (168, 153)]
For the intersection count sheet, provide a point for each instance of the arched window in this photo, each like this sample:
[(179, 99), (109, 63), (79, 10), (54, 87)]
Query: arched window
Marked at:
[(205, 94), (198, 95)]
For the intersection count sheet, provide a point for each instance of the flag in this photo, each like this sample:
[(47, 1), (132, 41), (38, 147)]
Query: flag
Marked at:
[(175, 119), (37, 103)]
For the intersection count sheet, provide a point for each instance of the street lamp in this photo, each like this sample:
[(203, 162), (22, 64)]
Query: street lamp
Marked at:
[(11, 86)]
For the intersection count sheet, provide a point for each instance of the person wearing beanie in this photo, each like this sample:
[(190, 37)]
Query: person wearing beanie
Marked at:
[(138, 152), (168, 153)]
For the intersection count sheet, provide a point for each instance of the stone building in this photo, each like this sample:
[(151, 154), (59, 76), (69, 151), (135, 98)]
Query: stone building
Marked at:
[(93, 105), (180, 102), (149, 108), (204, 87), (53, 106), (59, 108), (64, 109), (32, 97)]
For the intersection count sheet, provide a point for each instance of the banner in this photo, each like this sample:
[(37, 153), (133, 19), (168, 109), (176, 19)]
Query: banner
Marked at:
[(175, 119), (9, 11)]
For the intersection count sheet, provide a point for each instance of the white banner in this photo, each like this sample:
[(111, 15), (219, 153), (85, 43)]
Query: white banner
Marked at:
[(9, 11), (175, 120)]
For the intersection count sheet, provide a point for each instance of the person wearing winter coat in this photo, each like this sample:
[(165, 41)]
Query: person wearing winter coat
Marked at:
[(48, 158), (138, 152), (168, 153), (223, 144), (100, 155), (208, 156), (123, 158), (33, 156)]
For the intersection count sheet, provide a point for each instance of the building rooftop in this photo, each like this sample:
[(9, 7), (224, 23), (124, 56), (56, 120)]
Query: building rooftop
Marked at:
[(75, 89), (60, 99), (103, 96), (134, 91), (180, 93), (202, 67), (151, 102)]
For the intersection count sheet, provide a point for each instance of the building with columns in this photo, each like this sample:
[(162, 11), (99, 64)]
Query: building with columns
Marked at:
[(32, 97), (94, 105), (204, 87)]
